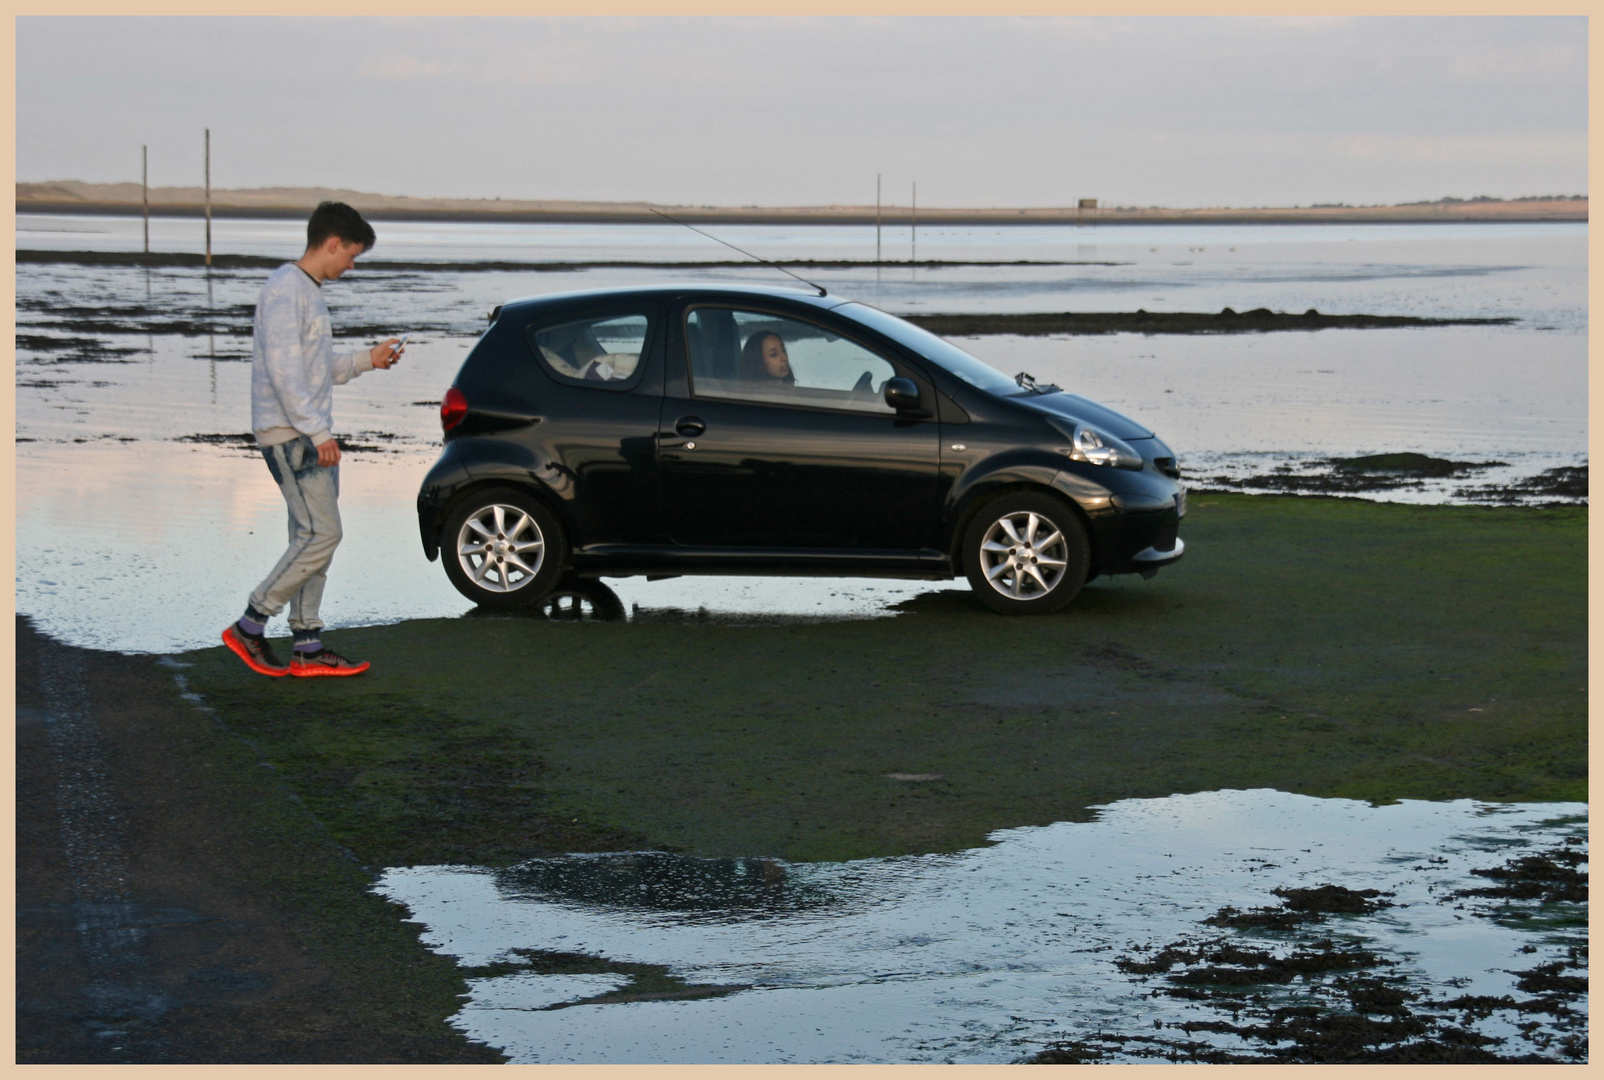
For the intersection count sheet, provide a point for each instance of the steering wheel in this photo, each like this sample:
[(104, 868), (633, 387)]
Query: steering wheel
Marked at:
[(864, 387)]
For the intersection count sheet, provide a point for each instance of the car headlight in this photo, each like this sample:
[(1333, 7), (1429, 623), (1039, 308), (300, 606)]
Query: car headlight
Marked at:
[(1095, 447)]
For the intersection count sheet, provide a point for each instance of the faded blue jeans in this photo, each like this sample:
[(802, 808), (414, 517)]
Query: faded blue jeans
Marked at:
[(312, 493)]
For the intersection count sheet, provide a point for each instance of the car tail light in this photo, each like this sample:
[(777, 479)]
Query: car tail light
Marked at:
[(452, 409)]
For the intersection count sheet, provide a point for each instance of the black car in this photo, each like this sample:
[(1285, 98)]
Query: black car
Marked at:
[(721, 430)]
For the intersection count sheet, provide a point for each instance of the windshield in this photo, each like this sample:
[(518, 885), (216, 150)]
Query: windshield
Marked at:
[(976, 373)]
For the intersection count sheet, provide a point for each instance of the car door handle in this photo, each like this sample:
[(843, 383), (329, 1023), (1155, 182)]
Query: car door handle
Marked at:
[(689, 426)]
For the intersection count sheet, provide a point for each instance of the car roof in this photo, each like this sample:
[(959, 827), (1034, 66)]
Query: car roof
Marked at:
[(659, 293)]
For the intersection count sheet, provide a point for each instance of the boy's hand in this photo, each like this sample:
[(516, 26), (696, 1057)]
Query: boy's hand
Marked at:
[(328, 454), (385, 353)]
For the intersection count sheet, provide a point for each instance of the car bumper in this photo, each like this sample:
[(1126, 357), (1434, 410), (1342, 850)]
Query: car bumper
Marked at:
[(448, 476), (1150, 561), (1134, 525)]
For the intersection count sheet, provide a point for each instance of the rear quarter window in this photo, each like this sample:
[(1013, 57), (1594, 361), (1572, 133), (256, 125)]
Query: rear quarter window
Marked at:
[(601, 352)]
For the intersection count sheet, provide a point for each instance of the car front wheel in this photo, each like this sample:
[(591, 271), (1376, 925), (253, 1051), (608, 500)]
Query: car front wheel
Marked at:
[(503, 549), (1026, 554)]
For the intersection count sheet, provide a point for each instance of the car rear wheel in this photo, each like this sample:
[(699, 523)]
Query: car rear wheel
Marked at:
[(1026, 554), (503, 549)]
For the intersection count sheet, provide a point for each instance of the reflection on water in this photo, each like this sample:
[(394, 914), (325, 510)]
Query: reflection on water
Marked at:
[(990, 954), (645, 882)]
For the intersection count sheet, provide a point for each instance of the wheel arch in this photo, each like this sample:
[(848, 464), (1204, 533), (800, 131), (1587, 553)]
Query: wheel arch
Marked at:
[(979, 500), (535, 490)]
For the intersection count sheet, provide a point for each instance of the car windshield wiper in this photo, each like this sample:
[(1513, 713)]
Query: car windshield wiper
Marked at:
[(1029, 383)]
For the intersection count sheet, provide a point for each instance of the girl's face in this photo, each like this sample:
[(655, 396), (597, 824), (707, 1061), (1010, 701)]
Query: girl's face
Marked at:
[(775, 360)]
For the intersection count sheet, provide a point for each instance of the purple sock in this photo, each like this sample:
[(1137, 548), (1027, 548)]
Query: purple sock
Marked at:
[(250, 625), (306, 645)]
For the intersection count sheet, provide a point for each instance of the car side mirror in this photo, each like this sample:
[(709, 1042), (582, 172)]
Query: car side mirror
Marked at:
[(902, 395)]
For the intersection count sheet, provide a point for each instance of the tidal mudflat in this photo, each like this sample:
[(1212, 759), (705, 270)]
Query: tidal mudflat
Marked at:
[(1338, 651), (131, 381)]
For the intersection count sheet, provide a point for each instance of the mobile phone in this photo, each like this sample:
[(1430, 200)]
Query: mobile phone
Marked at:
[(398, 346)]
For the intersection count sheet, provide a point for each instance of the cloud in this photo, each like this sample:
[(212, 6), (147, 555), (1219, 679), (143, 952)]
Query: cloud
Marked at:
[(1532, 149), (1069, 26), (1321, 23), (403, 67), (1518, 64)]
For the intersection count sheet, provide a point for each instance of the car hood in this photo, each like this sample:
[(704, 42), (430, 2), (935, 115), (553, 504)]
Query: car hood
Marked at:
[(1087, 411)]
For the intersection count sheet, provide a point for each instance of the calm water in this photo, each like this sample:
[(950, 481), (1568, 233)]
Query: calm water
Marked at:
[(117, 517), (985, 955)]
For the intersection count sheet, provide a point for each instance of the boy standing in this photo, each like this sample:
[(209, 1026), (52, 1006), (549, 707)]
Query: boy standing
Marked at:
[(293, 371)]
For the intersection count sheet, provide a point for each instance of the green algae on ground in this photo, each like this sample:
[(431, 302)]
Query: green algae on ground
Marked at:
[(1320, 646)]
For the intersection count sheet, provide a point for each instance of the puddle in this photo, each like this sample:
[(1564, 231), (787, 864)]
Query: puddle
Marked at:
[(1081, 941)]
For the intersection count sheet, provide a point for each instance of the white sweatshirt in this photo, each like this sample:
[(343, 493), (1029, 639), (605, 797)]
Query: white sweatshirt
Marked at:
[(293, 363)]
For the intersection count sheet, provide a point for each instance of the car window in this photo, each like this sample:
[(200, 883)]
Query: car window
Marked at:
[(602, 351), (757, 356), (977, 373)]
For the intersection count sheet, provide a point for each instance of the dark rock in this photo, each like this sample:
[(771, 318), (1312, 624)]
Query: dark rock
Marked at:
[(1410, 464)]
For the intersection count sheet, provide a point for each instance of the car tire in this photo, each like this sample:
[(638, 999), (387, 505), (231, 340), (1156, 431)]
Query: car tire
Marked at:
[(1026, 554), (502, 548)]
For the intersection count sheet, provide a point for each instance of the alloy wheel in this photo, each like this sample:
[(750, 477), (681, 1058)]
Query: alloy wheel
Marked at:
[(1024, 555), (500, 548)]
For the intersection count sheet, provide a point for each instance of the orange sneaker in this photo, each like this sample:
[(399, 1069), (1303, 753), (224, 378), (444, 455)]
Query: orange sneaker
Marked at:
[(324, 662), (255, 651)]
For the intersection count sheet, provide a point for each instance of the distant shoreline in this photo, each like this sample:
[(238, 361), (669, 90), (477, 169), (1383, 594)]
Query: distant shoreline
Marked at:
[(74, 197)]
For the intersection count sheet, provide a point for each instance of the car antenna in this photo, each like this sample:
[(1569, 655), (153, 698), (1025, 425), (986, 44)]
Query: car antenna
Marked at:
[(748, 254)]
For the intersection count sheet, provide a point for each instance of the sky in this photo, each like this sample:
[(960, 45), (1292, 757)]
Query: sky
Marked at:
[(978, 112)]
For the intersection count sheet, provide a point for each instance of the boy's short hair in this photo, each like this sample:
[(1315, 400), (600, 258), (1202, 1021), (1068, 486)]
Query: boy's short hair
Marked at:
[(338, 219)]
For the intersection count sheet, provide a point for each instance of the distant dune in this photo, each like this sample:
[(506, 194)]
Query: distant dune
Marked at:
[(77, 197)]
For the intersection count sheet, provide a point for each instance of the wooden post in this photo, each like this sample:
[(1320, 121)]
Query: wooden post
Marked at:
[(915, 222), (208, 196), (877, 219), (144, 187)]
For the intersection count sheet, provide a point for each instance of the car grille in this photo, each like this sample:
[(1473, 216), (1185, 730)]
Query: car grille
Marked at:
[(1165, 540)]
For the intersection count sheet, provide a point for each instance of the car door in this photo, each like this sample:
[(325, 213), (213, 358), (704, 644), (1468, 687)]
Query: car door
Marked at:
[(602, 411), (749, 459)]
